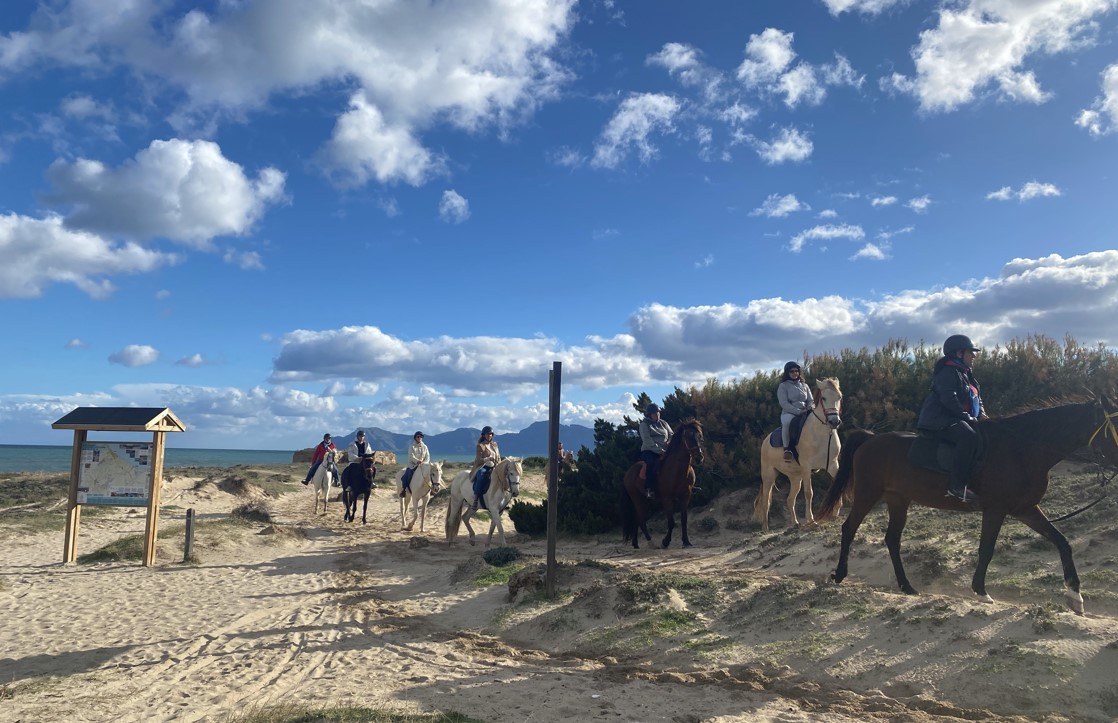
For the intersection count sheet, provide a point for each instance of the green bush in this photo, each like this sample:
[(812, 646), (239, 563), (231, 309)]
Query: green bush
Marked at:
[(501, 556), (529, 519)]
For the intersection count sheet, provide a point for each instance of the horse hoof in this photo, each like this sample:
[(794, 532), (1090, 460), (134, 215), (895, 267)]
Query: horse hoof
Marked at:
[(1074, 601), (687, 544), (984, 598), (909, 590)]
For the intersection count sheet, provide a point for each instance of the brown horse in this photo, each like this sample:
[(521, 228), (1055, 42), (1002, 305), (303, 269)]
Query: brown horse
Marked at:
[(1019, 452), (673, 486)]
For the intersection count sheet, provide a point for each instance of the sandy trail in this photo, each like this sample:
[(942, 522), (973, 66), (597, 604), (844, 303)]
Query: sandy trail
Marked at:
[(316, 611)]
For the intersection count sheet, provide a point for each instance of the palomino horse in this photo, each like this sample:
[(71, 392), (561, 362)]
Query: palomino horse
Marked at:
[(818, 449), (503, 486), (674, 481), (357, 481), (323, 479), (425, 483), (1019, 452)]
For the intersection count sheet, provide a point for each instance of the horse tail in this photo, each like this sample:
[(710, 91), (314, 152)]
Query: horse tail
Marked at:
[(628, 516), (833, 501)]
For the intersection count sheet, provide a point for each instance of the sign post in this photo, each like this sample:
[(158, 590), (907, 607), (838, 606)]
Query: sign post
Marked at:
[(553, 461)]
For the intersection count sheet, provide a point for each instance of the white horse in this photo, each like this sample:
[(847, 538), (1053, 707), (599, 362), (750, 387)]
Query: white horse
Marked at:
[(425, 483), (323, 479), (818, 448), (503, 486)]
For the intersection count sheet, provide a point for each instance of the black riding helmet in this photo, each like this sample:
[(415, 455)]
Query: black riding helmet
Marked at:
[(958, 342), (651, 409), (790, 366)]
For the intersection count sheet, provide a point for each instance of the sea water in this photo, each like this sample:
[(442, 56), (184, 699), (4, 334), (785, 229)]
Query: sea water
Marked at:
[(56, 458)]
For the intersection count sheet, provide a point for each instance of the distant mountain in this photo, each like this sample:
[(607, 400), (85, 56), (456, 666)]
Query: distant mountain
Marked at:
[(462, 441)]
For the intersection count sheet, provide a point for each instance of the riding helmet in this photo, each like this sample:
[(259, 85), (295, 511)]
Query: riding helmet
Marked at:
[(790, 366), (652, 409), (325, 436), (958, 342), (417, 435), (486, 430)]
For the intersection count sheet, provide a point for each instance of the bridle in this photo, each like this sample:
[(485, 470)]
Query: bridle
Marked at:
[(835, 411), (1106, 429)]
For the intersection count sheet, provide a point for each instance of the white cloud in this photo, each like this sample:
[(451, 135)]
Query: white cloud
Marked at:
[(453, 208), (1102, 117), (826, 232), (247, 260), (919, 204), (885, 235), (419, 65), (135, 355), (979, 44), (194, 360), (768, 68), (777, 206), (76, 343), (828, 213), (1028, 191), (877, 201), (871, 251), (162, 295), (84, 107), (186, 191), (789, 145), (684, 62), (866, 7), (630, 128), (39, 252), (705, 262)]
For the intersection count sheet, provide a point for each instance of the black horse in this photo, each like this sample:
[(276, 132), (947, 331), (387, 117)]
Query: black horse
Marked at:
[(357, 480)]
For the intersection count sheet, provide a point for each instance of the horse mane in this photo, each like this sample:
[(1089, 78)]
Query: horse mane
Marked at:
[(677, 439)]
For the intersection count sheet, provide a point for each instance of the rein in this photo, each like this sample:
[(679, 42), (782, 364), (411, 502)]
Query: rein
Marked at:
[(1108, 429)]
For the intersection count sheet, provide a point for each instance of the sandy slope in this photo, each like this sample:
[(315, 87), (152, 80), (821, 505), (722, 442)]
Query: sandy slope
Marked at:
[(741, 627)]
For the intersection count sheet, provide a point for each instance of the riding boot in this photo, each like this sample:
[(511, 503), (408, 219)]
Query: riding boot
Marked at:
[(788, 456), (960, 491)]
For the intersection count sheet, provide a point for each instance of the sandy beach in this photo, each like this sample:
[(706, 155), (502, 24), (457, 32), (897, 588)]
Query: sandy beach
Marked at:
[(309, 612)]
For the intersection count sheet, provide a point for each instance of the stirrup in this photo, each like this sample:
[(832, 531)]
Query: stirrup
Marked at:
[(966, 495)]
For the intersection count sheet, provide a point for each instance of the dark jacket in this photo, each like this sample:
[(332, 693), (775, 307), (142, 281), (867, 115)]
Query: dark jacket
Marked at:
[(954, 397)]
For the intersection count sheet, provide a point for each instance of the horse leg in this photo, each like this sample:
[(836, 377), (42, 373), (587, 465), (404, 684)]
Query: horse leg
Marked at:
[(794, 485), (764, 497), (858, 512), (403, 508), (364, 508), (898, 516), (669, 512), (422, 511), (683, 527), (809, 493), (495, 523), (991, 526), (1037, 520), (466, 521)]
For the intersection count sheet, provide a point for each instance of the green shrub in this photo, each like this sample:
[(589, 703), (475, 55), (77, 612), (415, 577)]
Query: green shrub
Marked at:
[(253, 512), (529, 519), (501, 556)]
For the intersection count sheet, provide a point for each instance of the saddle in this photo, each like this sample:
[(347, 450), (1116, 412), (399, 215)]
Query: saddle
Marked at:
[(932, 453), (796, 427)]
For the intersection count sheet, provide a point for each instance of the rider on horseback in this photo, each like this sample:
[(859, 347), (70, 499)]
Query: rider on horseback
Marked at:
[(359, 449), (952, 407), (486, 457), (320, 454), (796, 400), (417, 454), (655, 435)]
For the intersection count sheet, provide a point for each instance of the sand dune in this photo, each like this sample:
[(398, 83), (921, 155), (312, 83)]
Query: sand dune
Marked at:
[(309, 610)]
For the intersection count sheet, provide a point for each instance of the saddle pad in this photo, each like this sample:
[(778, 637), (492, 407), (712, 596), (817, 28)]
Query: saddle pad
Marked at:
[(932, 454), (796, 427)]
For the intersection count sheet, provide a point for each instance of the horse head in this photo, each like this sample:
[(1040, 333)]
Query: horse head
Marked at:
[(511, 470), (436, 477), (368, 468), (828, 397), (690, 435), (1105, 438)]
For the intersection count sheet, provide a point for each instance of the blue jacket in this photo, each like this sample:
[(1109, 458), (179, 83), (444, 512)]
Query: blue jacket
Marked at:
[(954, 397)]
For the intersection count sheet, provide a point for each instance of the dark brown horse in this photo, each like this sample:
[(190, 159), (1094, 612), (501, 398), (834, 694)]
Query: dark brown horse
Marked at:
[(673, 486), (1012, 480)]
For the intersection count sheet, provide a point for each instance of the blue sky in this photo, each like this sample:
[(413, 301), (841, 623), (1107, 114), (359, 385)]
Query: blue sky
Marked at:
[(283, 218)]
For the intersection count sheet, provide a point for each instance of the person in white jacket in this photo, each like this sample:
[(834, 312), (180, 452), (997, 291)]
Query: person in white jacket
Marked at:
[(359, 449), (417, 454)]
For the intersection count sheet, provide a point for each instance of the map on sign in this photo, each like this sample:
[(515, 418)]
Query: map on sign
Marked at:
[(115, 473)]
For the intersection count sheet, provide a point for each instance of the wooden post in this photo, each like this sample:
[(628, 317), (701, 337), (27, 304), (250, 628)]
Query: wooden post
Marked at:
[(73, 509), (188, 545), (151, 529), (556, 379)]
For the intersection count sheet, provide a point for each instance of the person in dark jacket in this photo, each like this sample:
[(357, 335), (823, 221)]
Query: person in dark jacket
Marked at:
[(952, 407)]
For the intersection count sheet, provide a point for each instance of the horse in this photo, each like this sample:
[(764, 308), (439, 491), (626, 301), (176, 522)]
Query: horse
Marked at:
[(358, 483), (818, 448), (1019, 452), (425, 483), (323, 479), (674, 481), (503, 486)]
